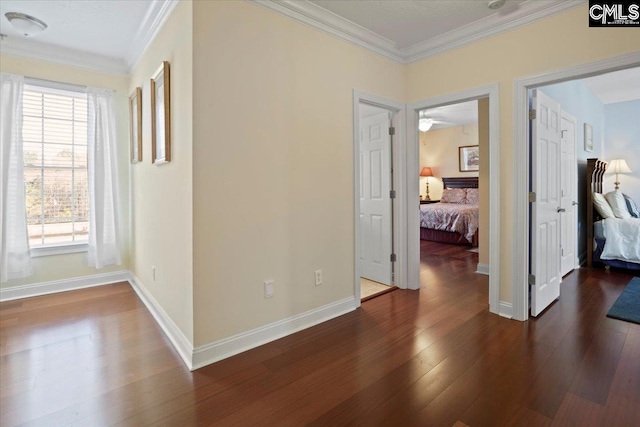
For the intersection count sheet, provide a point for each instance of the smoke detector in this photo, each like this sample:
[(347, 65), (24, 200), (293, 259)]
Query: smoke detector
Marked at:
[(496, 4)]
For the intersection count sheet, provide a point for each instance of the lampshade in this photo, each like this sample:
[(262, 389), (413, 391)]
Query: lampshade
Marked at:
[(26, 24), (618, 166), (426, 172), (425, 124)]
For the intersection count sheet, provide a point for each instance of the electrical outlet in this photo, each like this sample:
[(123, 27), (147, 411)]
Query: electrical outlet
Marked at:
[(318, 277), (153, 273), (268, 289)]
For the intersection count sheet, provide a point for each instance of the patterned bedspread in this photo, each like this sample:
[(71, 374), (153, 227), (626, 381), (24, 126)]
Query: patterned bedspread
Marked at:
[(457, 218)]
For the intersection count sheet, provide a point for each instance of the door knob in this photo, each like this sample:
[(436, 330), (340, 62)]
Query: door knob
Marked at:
[(561, 210), (574, 203)]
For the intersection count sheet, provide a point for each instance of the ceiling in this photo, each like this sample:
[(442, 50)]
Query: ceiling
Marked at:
[(110, 36), (618, 86), (460, 114)]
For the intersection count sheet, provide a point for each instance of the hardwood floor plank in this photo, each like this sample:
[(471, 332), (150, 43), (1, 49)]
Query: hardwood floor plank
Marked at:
[(96, 357)]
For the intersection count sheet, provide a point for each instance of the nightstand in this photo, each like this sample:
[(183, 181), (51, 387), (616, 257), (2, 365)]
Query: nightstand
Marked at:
[(426, 202)]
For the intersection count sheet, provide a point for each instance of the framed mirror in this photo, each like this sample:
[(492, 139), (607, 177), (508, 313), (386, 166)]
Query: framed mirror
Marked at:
[(135, 125), (160, 116)]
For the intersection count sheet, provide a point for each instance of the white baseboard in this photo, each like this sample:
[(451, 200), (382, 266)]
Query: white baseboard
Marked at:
[(227, 347), (506, 309), (483, 269), (55, 286), (180, 342)]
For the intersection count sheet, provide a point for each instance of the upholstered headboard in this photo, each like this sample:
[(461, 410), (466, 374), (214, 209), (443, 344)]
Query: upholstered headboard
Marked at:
[(595, 173), (460, 182)]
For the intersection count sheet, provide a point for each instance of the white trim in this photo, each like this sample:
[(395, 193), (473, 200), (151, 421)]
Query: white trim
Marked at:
[(520, 214), (55, 286), (156, 16), (70, 248), (210, 353), (483, 269), (31, 49), (412, 171), (399, 164), (311, 14), (180, 342), (506, 310)]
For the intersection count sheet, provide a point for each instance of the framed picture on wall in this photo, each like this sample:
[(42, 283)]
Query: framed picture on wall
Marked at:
[(588, 138), (135, 125), (160, 116), (469, 158)]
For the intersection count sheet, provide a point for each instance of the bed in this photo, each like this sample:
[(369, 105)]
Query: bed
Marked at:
[(455, 223), (620, 247)]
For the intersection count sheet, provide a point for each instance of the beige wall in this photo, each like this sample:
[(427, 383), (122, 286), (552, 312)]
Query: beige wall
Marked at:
[(273, 164), (59, 267), (439, 150), (560, 41), (162, 195)]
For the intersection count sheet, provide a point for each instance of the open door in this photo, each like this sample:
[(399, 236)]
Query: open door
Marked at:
[(568, 201), (546, 207), (375, 199)]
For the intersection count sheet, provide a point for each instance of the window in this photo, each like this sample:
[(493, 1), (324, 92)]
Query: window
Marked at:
[(54, 135)]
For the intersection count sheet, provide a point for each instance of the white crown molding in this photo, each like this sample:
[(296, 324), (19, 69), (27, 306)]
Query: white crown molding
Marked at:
[(321, 19), (158, 13), (26, 48), (317, 17), (55, 286), (227, 347), (180, 342)]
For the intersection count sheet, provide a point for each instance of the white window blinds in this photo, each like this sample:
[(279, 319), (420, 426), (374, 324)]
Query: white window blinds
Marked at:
[(54, 132)]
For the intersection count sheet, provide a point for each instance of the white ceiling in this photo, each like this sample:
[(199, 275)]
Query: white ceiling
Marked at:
[(110, 35), (619, 86), (463, 113)]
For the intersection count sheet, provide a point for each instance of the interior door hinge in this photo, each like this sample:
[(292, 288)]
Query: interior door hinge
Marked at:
[(532, 114), (532, 197), (392, 194), (532, 279), (393, 257), (392, 131)]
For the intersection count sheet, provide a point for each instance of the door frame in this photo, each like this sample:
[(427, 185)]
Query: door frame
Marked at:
[(412, 204), (565, 115), (521, 145), (398, 121)]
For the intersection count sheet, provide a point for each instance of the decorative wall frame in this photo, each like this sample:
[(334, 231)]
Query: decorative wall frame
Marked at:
[(588, 138), (469, 158), (135, 124), (161, 115)]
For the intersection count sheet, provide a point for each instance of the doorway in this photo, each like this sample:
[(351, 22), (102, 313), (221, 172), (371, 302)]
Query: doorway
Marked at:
[(524, 247)]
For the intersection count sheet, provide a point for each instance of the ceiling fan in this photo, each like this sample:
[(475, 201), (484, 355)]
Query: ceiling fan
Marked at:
[(425, 121)]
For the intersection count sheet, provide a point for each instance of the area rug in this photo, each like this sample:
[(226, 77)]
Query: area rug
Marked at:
[(627, 306)]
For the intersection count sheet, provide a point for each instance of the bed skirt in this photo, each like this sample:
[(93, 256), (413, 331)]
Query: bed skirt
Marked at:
[(611, 262), (447, 237)]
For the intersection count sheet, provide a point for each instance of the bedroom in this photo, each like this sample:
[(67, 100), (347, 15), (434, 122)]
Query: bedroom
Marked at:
[(597, 142)]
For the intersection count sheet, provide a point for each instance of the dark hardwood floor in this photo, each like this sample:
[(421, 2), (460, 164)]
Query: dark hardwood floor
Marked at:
[(436, 357)]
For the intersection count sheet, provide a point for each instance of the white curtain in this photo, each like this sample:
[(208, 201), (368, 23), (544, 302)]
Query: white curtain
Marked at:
[(15, 260), (104, 230)]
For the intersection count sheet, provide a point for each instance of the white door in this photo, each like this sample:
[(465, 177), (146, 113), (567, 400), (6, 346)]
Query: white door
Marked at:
[(568, 196), (545, 215), (375, 200)]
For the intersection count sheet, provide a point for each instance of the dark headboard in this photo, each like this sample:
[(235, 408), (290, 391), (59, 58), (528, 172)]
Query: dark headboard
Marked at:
[(464, 182), (595, 172)]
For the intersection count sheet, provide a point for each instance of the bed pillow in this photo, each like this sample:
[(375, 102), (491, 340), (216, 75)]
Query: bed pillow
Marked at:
[(453, 195), (618, 204), (631, 206), (473, 196), (602, 206)]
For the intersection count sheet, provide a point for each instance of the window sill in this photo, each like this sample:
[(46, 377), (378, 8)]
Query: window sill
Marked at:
[(69, 248)]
